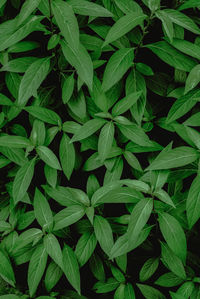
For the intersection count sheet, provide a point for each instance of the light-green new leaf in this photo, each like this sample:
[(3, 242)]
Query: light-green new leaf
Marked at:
[(32, 79), (117, 66), (67, 22), (123, 26)]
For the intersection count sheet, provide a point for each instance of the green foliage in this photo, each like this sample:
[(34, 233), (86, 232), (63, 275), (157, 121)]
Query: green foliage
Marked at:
[(99, 149)]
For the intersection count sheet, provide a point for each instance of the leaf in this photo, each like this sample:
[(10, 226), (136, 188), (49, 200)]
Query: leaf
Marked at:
[(81, 61), (182, 105), (67, 22), (14, 141), (89, 128), (48, 157), (52, 276), (85, 247), (22, 180), (164, 196), (126, 103), (148, 269), (171, 56), (135, 133), (129, 291), (6, 271), (68, 216), (182, 20), (167, 24), (36, 268), (18, 65), (27, 8), (27, 237), (67, 156), (193, 120), (71, 268), (138, 219), (104, 287), (53, 249), (103, 233), (186, 47), (117, 66), (173, 235), (87, 8), (192, 79), (44, 114), (4, 100), (193, 202), (172, 262), (123, 26), (128, 6), (168, 280), (42, 211), (68, 88), (32, 79), (132, 160), (33, 24), (188, 4), (150, 292), (105, 141), (176, 157)]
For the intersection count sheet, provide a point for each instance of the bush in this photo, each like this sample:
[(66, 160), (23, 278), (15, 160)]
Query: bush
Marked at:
[(100, 146)]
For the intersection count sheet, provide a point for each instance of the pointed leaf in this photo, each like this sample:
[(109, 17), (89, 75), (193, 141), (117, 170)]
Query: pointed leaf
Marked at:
[(67, 156), (87, 8), (126, 103), (14, 141), (53, 249), (44, 114), (105, 141), (27, 8), (193, 202), (103, 233), (192, 79), (6, 271), (48, 156), (85, 247)]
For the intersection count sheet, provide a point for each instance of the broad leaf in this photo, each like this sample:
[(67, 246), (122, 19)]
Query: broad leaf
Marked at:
[(86, 8), (22, 180), (193, 202), (105, 141), (192, 79), (148, 269), (85, 247), (32, 79), (14, 141), (103, 233), (125, 104), (52, 276), (6, 270), (150, 292), (67, 156), (173, 235), (53, 249), (27, 8), (186, 47), (44, 114), (48, 156), (117, 66), (36, 268), (67, 22)]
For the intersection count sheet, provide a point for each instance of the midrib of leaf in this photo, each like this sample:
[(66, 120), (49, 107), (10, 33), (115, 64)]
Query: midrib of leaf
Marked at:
[(120, 60), (38, 266), (171, 230)]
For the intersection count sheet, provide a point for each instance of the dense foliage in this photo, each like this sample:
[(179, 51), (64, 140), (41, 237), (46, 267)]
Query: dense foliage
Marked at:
[(99, 149)]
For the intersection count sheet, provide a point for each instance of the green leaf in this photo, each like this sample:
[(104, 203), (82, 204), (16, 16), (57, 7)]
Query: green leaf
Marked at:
[(164, 196), (68, 216), (126, 103), (186, 47), (193, 202), (173, 235), (148, 269), (193, 120), (68, 88), (48, 156), (32, 79), (89, 128), (167, 23), (176, 157), (138, 219), (81, 61), (105, 141), (71, 268), (149, 292), (188, 4), (103, 233), (67, 22), (182, 105), (182, 20), (27, 8), (4, 226), (22, 180), (52, 276), (132, 160), (85, 247), (36, 268), (14, 141), (44, 114), (11, 38), (186, 289), (104, 287), (18, 65), (96, 266), (23, 47), (172, 262), (42, 210), (129, 291), (87, 8), (67, 156), (6, 271), (171, 56), (192, 79), (135, 133), (53, 249), (123, 26), (168, 280), (128, 6), (27, 237), (4, 100), (117, 66)]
